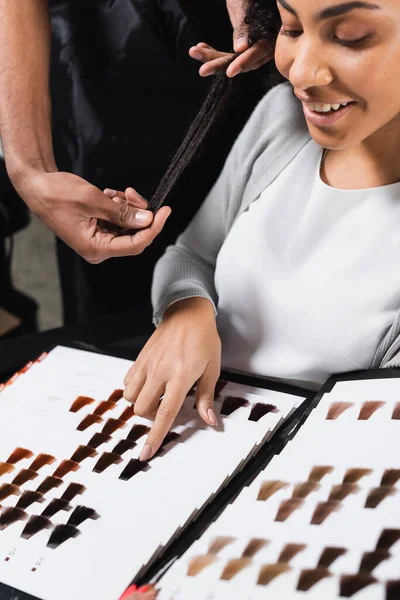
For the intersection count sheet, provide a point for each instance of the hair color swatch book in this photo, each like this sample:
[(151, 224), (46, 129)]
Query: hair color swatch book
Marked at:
[(321, 521), (80, 515)]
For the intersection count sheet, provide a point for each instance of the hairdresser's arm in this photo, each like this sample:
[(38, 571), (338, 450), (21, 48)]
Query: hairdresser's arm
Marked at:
[(67, 204)]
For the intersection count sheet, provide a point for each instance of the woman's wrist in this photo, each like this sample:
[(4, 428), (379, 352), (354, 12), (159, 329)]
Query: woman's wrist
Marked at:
[(197, 304)]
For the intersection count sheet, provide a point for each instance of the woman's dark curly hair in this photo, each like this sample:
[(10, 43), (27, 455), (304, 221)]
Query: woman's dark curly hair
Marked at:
[(263, 22)]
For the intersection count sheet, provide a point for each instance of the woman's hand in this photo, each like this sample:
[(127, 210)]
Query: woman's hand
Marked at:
[(185, 349)]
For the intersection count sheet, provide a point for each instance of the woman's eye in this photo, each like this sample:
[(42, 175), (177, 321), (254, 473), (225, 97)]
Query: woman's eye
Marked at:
[(290, 32), (352, 43)]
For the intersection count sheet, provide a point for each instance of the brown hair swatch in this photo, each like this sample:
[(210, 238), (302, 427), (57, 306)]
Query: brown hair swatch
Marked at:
[(88, 421), (171, 436), (323, 510), (390, 477), (393, 590), (55, 506), (336, 409), (287, 508), (396, 412), (310, 577), (253, 547), (221, 385), (105, 461), (378, 495), (133, 467), (289, 551), (65, 467), (98, 440), (341, 491), (104, 407), (116, 395), (49, 484), (303, 490), (369, 408), (233, 568), (8, 489), (24, 476), (370, 560), (137, 432), (80, 403), (61, 534), (387, 539), (199, 563), (11, 515), (127, 413), (28, 498), (123, 446), (231, 404), (41, 461), (112, 425), (355, 474), (219, 543), (82, 453), (35, 525), (6, 468), (270, 572), (73, 490), (260, 409), (82, 514), (351, 584), (317, 473), (269, 488), (18, 455), (329, 555)]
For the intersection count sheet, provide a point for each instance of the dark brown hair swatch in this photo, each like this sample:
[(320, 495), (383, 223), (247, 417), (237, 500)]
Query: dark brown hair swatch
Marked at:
[(260, 409), (351, 584), (55, 506), (317, 473), (387, 539), (199, 563), (133, 467), (24, 476), (11, 515), (329, 555), (392, 590), (323, 510), (231, 404), (310, 577), (88, 421), (80, 403), (49, 484), (6, 468), (253, 547), (127, 413), (82, 514), (396, 412), (112, 425), (370, 560), (41, 461), (61, 534), (65, 467), (369, 408), (98, 440), (82, 453), (289, 551), (8, 489), (171, 436), (35, 525), (73, 490), (28, 498), (390, 477), (269, 488), (105, 461), (219, 543), (354, 475), (287, 508), (104, 407), (18, 455), (116, 395), (270, 572), (341, 491), (336, 409), (221, 385), (303, 490), (233, 568), (378, 495), (137, 432), (123, 446)]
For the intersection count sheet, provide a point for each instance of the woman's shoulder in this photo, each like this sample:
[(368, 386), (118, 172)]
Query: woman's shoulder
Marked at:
[(280, 110)]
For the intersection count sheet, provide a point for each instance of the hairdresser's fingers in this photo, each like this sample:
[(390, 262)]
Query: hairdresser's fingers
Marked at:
[(246, 61), (133, 197), (148, 400), (205, 53), (205, 391), (134, 382), (114, 194)]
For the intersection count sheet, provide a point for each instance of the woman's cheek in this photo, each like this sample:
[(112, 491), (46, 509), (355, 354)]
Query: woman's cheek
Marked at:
[(282, 60)]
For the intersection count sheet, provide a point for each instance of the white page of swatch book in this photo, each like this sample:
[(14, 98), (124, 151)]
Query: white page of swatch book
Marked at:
[(321, 521), (95, 551)]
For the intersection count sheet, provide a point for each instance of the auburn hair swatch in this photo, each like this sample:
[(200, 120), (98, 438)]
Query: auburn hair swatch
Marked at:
[(41, 461), (80, 403), (18, 455), (338, 408), (369, 408)]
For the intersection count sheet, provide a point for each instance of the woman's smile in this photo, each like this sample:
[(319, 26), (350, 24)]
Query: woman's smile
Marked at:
[(322, 115)]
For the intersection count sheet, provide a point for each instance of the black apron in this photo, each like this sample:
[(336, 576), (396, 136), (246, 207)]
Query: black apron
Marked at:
[(124, 92)]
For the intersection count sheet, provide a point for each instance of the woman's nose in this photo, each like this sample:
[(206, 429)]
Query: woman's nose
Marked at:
[(309, 67)]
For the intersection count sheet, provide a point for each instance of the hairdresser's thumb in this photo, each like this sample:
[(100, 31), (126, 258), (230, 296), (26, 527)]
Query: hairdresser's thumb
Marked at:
[(205, 396), (122, 214), (240, 38)]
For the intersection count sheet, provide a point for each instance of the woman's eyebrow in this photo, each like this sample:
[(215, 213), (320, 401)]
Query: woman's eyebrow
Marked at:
[(334, 11)]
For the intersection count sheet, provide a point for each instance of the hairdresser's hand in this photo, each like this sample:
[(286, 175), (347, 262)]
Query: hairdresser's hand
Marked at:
[(185, 349), (250, 59), (78, 213)]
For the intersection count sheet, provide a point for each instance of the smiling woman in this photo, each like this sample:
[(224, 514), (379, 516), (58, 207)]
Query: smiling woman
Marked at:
[(296, 248)]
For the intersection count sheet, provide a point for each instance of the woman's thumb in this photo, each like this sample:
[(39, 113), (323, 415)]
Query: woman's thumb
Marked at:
[(205, 396)]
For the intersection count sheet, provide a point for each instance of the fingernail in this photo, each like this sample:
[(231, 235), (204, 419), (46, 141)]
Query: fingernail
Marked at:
[(212, 416), (128, 592), (240, 44), (110, 193), (142, 217), (196, 54), (145, 588), (146, 453)]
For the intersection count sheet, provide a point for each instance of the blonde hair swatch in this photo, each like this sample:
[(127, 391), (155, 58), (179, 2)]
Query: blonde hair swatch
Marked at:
[(270, 572)]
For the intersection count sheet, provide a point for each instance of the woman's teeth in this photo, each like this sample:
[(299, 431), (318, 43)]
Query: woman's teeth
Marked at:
[(324, 108)]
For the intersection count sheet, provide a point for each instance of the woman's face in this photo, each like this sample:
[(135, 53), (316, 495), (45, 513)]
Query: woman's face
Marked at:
[(337, 52)]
